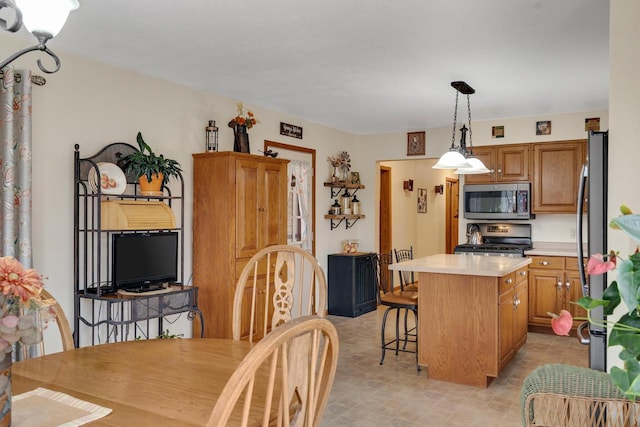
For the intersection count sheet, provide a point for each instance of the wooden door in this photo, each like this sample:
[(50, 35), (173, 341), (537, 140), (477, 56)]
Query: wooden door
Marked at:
[(452, 214), (521, 319), (249, 180), (384, 227), (506, 317), (487, 155), (573, 292), (513, 163), (556, 176)]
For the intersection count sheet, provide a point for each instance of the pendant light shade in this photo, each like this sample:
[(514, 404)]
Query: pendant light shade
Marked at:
[(45, 16), (476, 167), (452, 159)]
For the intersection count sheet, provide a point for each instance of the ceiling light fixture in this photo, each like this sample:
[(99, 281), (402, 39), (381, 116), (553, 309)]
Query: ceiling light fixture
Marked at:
[(42, 18), (458, 157)]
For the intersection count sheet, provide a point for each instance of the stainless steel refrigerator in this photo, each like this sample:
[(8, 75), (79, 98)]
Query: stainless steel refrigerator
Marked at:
[(592, 194)]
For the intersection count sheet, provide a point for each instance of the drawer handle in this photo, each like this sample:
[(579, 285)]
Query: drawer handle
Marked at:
[(559, 284), (544, 262), (523, 273), (508, 281), (567, 285)]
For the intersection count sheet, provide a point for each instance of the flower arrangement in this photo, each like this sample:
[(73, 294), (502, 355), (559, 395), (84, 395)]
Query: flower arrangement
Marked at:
[(242, 118), (341, 161), (625, 332), (20, 302)]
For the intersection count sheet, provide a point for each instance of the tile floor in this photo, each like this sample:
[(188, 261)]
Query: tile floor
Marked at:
[(394, 394)]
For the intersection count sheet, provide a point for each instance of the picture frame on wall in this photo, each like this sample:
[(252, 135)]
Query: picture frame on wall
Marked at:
[(355, 177), (422, 200), (592, 123), (497, 131), (416, 145), (543, 127)]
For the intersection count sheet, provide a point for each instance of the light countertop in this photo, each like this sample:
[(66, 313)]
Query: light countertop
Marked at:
[(468, 265), (568, 249)]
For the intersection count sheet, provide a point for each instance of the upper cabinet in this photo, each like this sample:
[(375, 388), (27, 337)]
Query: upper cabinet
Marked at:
[(508, 163), (556, 173)]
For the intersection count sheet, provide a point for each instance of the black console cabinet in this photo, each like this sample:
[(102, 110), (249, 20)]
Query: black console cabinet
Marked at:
[(351, 284)]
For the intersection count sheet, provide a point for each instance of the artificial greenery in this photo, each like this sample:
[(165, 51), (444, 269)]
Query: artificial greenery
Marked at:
[(146, 162)]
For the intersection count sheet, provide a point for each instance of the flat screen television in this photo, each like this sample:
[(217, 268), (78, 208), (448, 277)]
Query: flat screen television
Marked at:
[(144, 261)]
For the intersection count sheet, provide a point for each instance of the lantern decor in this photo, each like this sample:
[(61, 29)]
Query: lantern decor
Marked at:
[(211, 133)]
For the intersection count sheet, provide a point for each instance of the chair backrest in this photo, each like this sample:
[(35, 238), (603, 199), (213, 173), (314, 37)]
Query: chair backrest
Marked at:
[(284, 380), (406, 277), (382, 275), (66, 336), (278, 284)]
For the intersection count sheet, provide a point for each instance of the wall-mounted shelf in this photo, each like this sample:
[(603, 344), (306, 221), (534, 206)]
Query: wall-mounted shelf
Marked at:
[(350, 220), (336, 189), (339, 187)]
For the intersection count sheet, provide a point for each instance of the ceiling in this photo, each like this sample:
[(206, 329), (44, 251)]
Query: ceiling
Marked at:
[(367, 66)]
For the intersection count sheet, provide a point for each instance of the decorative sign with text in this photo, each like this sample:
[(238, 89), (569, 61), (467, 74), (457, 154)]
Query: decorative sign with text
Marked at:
[(290, 130)]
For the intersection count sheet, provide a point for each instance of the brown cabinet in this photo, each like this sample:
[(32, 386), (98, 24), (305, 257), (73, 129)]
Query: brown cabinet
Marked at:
[(239, 207), (556, 173), (553, 285), (512, 308), (508, 163)]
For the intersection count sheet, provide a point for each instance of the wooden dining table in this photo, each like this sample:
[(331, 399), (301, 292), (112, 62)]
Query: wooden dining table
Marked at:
[(161, 382)]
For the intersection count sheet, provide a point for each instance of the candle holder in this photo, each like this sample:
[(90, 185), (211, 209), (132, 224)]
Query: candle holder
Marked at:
[(211, 136)]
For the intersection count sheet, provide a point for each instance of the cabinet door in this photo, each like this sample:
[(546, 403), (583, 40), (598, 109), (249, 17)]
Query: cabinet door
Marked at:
[(521, 318), (487, 155), (249, 178), (513, 163), (573, 292), (506, 317), (260, 304), (555, 176), (543, 295), (272, 211)]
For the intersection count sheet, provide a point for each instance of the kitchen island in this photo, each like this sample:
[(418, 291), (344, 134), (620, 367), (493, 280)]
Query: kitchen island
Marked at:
[(472, 314)]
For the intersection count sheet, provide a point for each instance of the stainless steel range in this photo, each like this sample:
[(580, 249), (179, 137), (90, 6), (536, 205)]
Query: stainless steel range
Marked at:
[(498, 239)]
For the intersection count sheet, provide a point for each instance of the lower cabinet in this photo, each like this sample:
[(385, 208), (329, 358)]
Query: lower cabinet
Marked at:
[(351, 284), (554, 285), (512, 308)]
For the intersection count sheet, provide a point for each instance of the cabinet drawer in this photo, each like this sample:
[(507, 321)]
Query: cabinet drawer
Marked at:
[(547, 262), (572, 263), (507, 282), (522, 275)]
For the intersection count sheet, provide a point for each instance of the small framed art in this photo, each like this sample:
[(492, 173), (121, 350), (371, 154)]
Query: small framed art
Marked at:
[(355, 177), (422, 200), (416, 144), (592, 123), (543, 127)]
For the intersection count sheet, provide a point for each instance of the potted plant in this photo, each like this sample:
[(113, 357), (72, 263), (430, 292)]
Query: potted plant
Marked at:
[(150, 169)]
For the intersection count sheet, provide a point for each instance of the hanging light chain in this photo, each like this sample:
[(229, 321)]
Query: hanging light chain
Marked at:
[(470, 133), (455, 118)]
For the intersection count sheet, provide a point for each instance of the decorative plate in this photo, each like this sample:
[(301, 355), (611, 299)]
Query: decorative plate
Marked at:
[(112, 179)]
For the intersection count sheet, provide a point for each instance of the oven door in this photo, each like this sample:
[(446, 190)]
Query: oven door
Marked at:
[(497, 201)]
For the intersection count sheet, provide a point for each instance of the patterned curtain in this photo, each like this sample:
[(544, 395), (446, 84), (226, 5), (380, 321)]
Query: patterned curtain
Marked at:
[(15, 131), (300, 216)]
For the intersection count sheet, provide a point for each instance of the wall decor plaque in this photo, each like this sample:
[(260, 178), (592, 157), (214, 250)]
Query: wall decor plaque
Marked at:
[(291, 130)]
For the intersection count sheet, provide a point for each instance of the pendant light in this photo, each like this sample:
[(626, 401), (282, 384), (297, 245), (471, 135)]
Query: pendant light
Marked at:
[(458, 157)]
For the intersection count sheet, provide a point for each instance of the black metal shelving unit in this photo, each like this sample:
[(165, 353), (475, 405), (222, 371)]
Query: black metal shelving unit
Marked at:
[(107, 316)]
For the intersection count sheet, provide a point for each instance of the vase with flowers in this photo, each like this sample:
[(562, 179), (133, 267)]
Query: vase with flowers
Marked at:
[(242, 122), (624, 332), (21, 308), (341, 165)]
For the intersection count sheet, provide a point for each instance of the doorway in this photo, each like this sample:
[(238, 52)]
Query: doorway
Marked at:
[(301, 200), (452, 214)]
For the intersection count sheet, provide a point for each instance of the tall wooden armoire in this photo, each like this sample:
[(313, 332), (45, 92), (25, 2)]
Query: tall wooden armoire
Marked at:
[(239, 207)]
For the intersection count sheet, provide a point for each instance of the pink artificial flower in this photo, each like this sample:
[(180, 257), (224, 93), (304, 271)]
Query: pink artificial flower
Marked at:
[(562, 323), (17, 281), (10, 321), (598, 264)]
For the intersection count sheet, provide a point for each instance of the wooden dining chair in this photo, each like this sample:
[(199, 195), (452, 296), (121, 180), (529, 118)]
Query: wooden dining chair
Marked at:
[(62, 323), (284, 380), (278, 284)]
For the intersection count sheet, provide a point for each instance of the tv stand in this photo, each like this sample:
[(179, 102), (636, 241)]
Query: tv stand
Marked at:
[(102, 315)]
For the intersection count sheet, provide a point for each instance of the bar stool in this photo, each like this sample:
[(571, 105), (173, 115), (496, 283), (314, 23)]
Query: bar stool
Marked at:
[(400, 300)]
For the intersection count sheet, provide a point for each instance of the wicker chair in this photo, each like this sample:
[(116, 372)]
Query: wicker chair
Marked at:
[(565, 395)]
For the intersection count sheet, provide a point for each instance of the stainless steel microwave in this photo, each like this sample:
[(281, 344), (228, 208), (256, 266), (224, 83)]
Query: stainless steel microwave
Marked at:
[(497, 201)]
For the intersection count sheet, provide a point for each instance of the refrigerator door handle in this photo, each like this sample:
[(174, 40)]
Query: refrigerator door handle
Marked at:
[(579, 214), (580, 333)]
